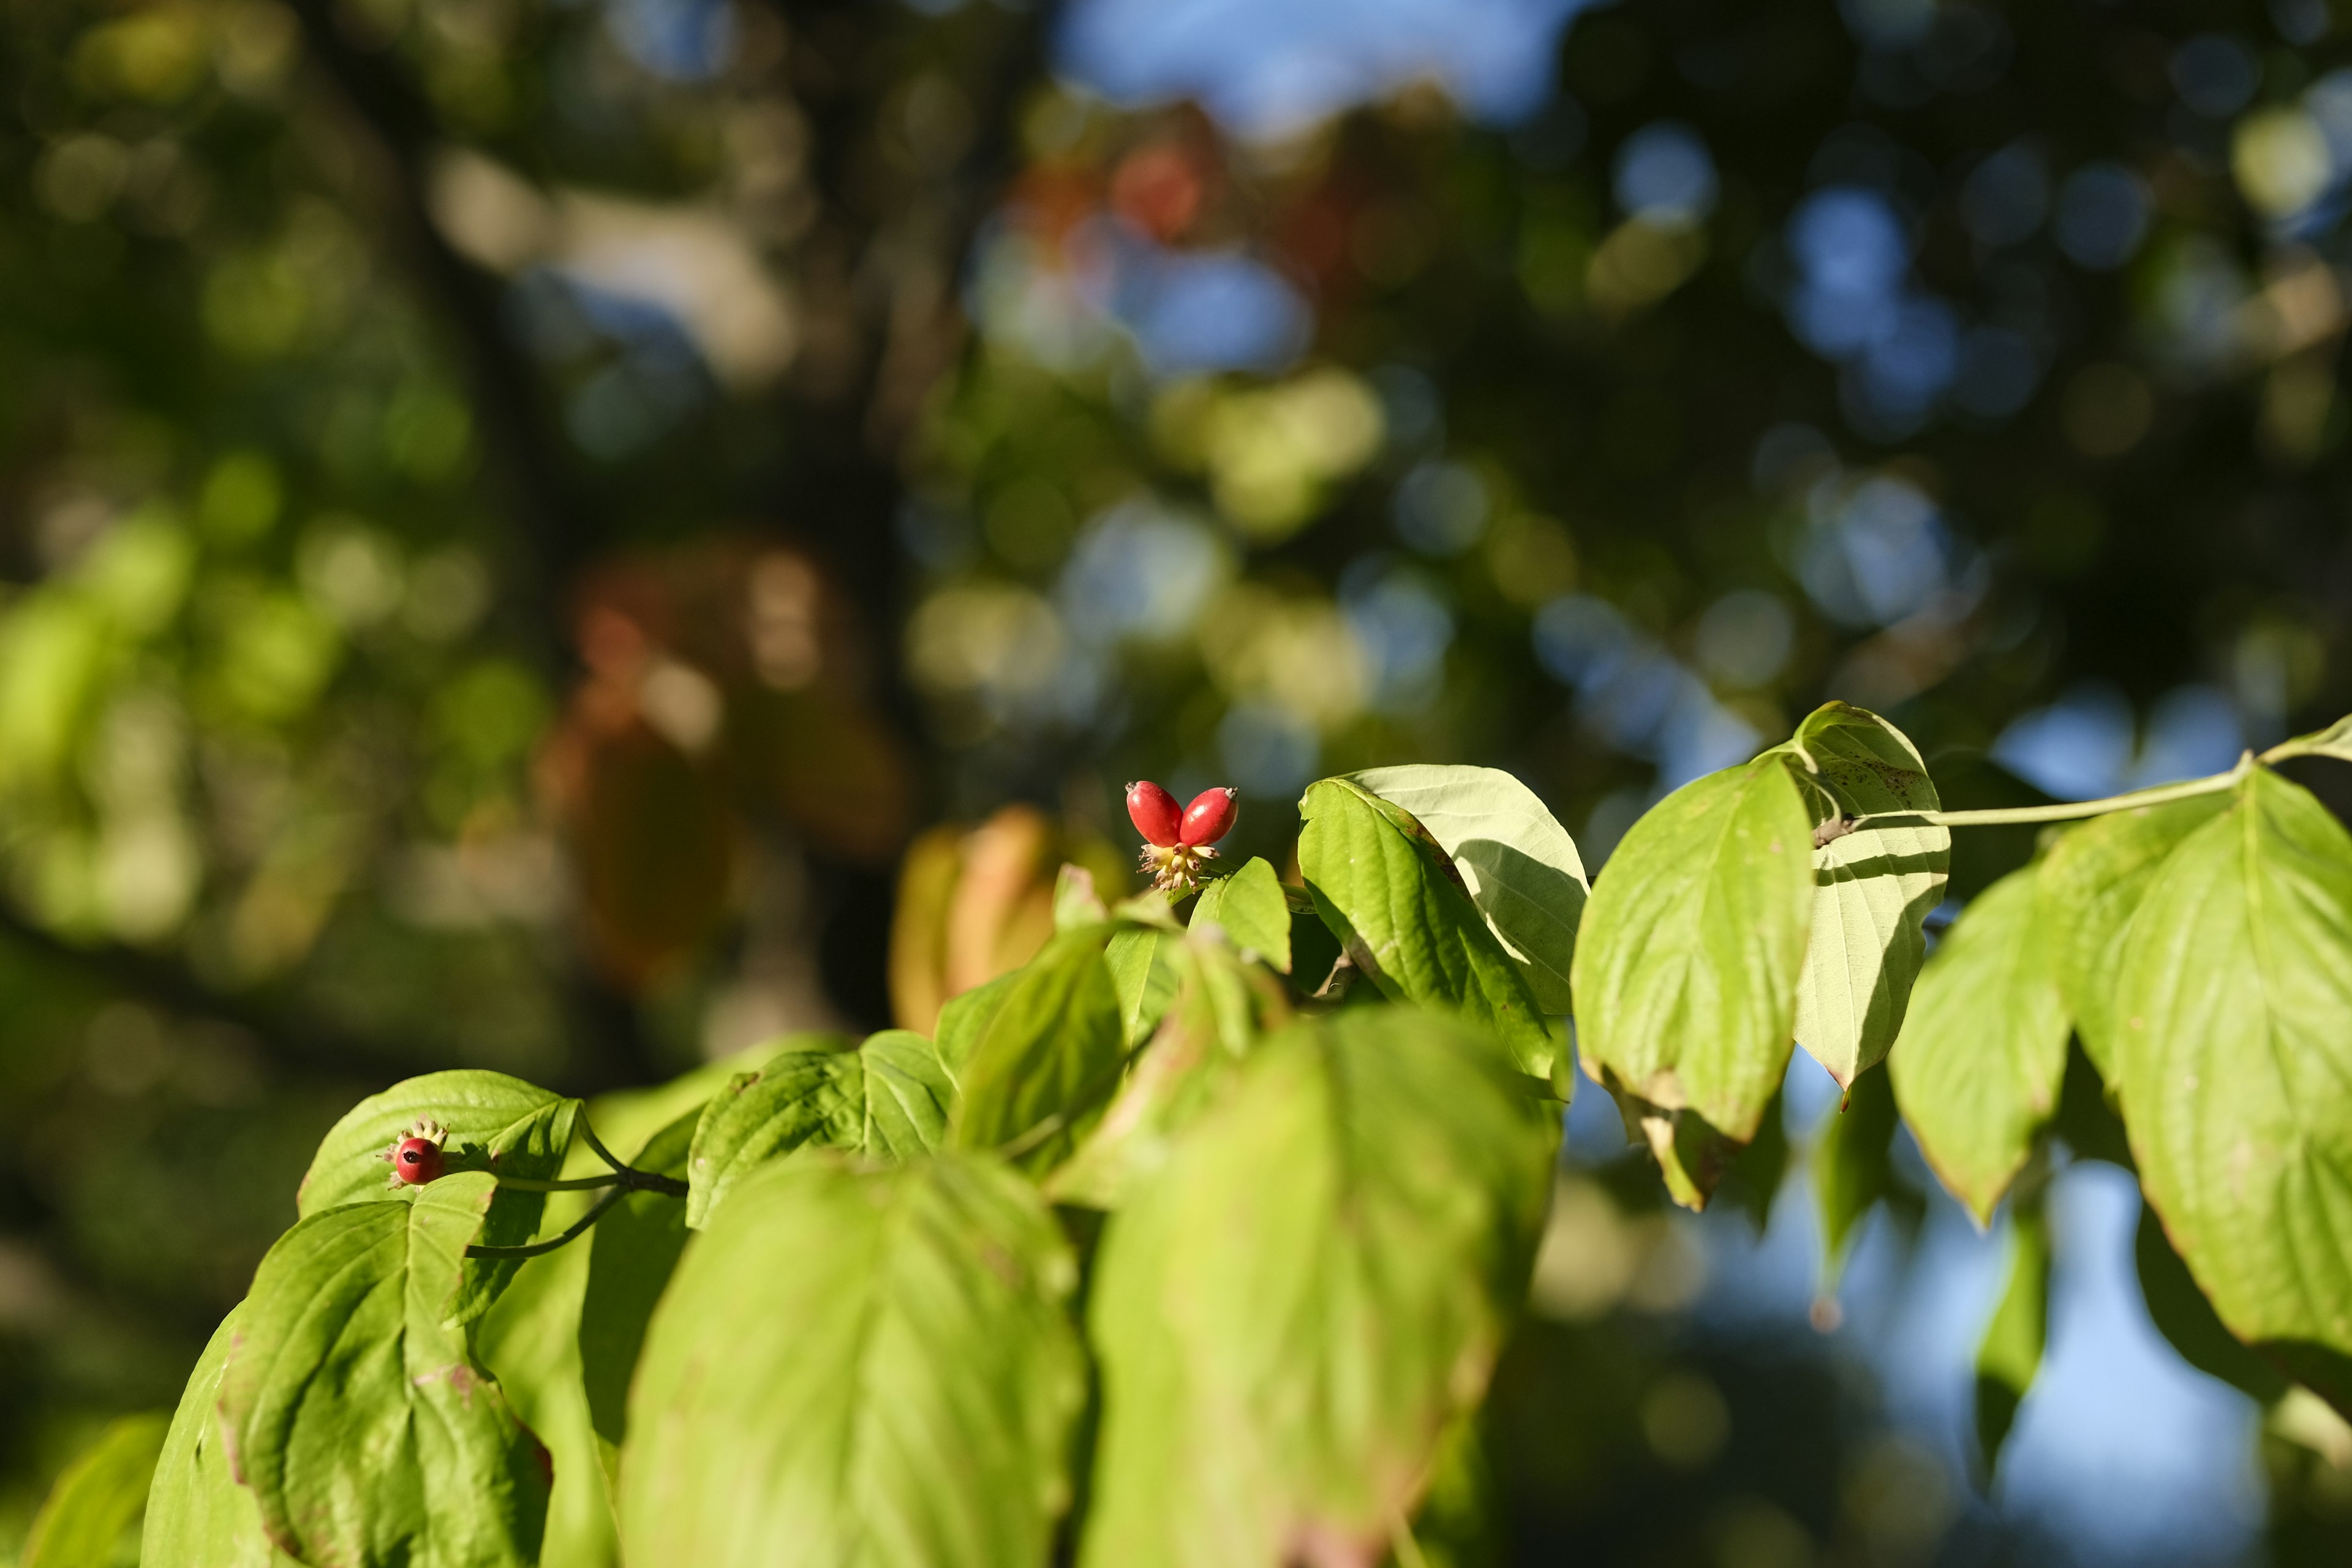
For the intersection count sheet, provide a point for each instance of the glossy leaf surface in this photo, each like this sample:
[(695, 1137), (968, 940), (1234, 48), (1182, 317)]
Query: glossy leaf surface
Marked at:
[(1398, 906), (1250, 909), (1048, 1061), (495, 1122), (887, 1099), (1521, 868)]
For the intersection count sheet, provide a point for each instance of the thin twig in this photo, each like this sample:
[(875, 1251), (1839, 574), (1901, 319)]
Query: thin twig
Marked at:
[(539, 1247)]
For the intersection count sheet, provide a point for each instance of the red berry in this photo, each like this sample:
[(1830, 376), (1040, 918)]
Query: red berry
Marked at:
[(1210, 815), (1154, 812), (417, 1161)]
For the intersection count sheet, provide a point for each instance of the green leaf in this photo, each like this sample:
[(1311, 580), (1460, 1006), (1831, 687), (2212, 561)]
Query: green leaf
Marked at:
[(97, 1497), (965, 1018), (2335, 741), (1049, 1059), (2186, 1319), (632, 1253), (494, 1120), (1518, 863), (2091, 884), (887, 1099), (1852, 1167), (1398, 908), (1872, 888), (2236, 1070), (2010, 1354), (356, 1411), (1983, 1053), (871, 1368), (197, 1516), (1250, 908), (1687, 960), (1144, 978), (1223, 1006), (1292, 1309)]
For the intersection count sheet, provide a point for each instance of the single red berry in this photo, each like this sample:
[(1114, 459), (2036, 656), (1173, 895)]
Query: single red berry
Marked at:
[(1210, 815), (1154, 812), (417, 1161)]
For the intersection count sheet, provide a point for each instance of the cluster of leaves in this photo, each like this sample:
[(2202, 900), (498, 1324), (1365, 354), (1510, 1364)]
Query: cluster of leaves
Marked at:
[(1286, 1162), (1320, 1123)]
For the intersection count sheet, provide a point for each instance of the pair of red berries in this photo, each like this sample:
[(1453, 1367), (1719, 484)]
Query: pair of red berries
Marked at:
[(1178, 841)]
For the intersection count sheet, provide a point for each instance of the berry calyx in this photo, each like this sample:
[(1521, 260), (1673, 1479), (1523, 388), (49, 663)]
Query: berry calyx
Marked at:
[(415, 1156), (1154, 812), (1210, 815)]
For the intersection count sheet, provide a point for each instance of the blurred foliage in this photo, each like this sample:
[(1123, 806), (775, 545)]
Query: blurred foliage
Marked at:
[(514, 516)]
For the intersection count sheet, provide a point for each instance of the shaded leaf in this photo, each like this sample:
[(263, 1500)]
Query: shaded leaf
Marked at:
[(1144, 978), (631, 1255), (354, 1408), (887, 1099), (2236, 1068), (1518, 863), (495, 1122), (97, 1497), (2091, 884), (1049, 1059), (1872, 888), (530, 1342), (1852, 1167), (1291, 1311), (1983, 1053), (197, 1516), (1687, 960), (966, 1016), (1398, 906), (2010, 1352), (859, 1367), (1250, 908)]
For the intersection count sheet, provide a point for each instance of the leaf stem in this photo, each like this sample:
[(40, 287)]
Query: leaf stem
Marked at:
[(595, 1213), (2063, 811)]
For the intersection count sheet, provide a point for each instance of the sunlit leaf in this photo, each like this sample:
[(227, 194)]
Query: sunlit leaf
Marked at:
[(1874, 886), (859, 1367), (1687, 960), (197, 1516), (1520, 866), (1388, 892), (1144, 978), (1041, 1072), (2236, 1068), (355, 1409), (495, 1122), (1984, 1052), (1291, 1311), (887, 1099), (1250, 909), (2091, 884)]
